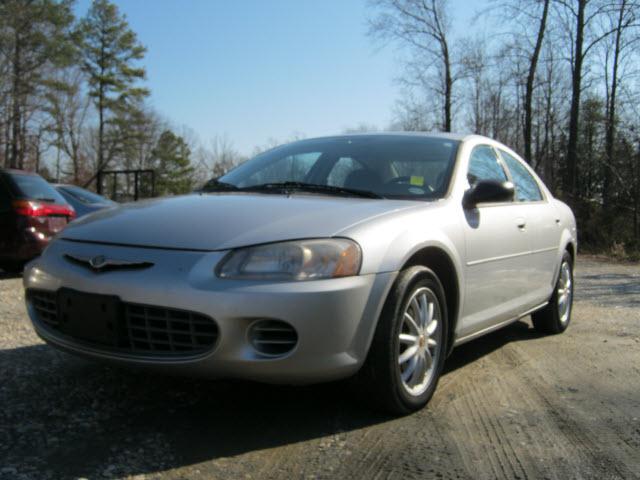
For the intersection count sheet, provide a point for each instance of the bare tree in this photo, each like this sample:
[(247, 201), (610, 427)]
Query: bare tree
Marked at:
[(67, 107), (424, 26), (624, 24), (533, 65), (223, 157), (582, 16)]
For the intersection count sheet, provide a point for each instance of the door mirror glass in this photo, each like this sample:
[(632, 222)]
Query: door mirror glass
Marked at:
[(488, 191)]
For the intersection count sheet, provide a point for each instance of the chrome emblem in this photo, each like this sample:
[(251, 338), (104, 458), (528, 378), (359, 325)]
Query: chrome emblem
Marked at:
[(100, 263)]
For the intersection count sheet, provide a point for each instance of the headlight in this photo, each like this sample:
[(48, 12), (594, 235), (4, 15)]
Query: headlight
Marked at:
[(298, 260)]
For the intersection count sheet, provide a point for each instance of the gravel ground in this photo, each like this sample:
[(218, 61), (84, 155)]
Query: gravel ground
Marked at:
[(510, 405)]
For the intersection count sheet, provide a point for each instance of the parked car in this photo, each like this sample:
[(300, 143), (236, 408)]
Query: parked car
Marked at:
[(83, 201), (367, 255), (31, 213)]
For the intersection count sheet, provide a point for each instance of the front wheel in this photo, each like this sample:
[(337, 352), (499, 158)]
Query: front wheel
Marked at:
[(555, 317), (409, 346)]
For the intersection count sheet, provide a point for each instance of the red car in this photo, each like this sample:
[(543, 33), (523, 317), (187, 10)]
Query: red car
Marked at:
[(31, 212)]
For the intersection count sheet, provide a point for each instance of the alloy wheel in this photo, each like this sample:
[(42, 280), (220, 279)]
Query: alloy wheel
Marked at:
[(420, 341), (565, 292)]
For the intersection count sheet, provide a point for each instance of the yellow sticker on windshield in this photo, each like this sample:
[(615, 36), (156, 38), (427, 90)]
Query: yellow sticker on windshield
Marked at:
[(416, 180)]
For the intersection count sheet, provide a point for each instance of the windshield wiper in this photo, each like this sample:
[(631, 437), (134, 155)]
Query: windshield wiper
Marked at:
[(311, 187), (218, 186)]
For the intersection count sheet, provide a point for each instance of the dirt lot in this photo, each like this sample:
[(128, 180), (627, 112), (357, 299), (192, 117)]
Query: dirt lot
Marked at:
[(511, 405)]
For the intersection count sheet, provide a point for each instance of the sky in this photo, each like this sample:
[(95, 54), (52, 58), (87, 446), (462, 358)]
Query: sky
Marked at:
[(256, 70)]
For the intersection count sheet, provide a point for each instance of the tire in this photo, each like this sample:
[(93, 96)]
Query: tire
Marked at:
[(400, 347), (555, 317)]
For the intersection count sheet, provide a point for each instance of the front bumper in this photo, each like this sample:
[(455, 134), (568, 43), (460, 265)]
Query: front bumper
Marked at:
[(334, 319)]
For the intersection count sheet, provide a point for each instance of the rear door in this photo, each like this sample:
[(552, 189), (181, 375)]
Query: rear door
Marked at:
[(497, 251), (6, 218)]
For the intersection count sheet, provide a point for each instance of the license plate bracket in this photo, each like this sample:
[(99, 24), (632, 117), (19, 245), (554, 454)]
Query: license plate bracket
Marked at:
[(89, 316)]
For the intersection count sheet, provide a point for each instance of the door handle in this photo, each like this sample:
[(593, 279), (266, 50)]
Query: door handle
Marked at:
[(521, 223)]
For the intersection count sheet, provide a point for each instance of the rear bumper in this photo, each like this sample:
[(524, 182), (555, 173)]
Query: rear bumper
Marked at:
[(334, 319), (26, 242)]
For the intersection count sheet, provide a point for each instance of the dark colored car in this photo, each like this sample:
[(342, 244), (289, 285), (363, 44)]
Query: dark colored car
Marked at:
[(83, 201), (31, 213)]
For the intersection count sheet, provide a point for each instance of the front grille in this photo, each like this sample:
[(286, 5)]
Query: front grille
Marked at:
[(272, 337), (143, 330)]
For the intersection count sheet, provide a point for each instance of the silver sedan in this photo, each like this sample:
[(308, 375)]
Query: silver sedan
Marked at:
[(362, 255)]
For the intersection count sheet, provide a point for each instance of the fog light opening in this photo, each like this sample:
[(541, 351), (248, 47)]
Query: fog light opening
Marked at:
[(273, 338)]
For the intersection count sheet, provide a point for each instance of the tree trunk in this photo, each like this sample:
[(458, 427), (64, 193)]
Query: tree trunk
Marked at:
[(571, 172), (528, 101), (448, 86), (14, 157), (611, 116)]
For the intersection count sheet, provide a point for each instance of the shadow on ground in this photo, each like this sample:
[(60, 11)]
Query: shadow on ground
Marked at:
[(64, 417)]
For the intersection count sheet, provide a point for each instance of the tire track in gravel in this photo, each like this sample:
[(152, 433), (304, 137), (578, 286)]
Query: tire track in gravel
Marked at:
[(416, 446), (581, 440), (482, 436)]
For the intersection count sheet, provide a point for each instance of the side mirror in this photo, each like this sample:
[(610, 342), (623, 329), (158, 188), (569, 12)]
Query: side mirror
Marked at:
[(488, 191)]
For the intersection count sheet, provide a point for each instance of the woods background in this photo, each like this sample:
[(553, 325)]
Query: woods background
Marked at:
[(557, 80)]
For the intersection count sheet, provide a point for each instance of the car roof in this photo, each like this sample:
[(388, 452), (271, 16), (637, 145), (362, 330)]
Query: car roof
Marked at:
[(15, 171), (460, 137)]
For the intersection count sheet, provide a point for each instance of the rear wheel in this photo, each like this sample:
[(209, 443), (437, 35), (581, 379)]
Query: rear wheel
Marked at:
[(409, 346), (555, 317)]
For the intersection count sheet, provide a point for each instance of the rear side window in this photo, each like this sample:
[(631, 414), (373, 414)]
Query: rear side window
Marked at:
[(527, 189), (484, 165), (341, 170), (34, 187), (84, 196)]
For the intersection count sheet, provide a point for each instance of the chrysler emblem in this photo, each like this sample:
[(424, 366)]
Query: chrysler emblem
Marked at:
[(100, 263)]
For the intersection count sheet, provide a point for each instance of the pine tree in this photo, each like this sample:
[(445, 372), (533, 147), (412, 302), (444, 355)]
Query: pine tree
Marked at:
[(110, 50), (171, 158)]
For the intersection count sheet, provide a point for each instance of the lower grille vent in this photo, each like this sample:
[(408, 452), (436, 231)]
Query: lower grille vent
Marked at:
[(143, 330)]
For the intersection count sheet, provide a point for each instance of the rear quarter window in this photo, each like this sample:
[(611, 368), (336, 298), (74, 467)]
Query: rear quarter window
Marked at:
[(527, 189), (34, 187)]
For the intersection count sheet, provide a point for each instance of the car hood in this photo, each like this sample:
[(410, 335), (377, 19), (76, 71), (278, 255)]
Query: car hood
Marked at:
[(227, 220)]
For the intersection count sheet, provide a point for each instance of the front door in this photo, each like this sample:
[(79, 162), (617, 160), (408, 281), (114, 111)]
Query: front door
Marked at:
[(497, 252)]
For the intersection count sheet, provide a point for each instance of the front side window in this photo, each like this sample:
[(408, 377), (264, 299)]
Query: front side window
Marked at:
[(341, 171), (392, 166), (527, 189), (484, 165)]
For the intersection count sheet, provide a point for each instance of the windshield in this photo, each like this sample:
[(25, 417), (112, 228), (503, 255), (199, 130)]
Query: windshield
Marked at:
[(34, 187), (85, 196), (391, 166)]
